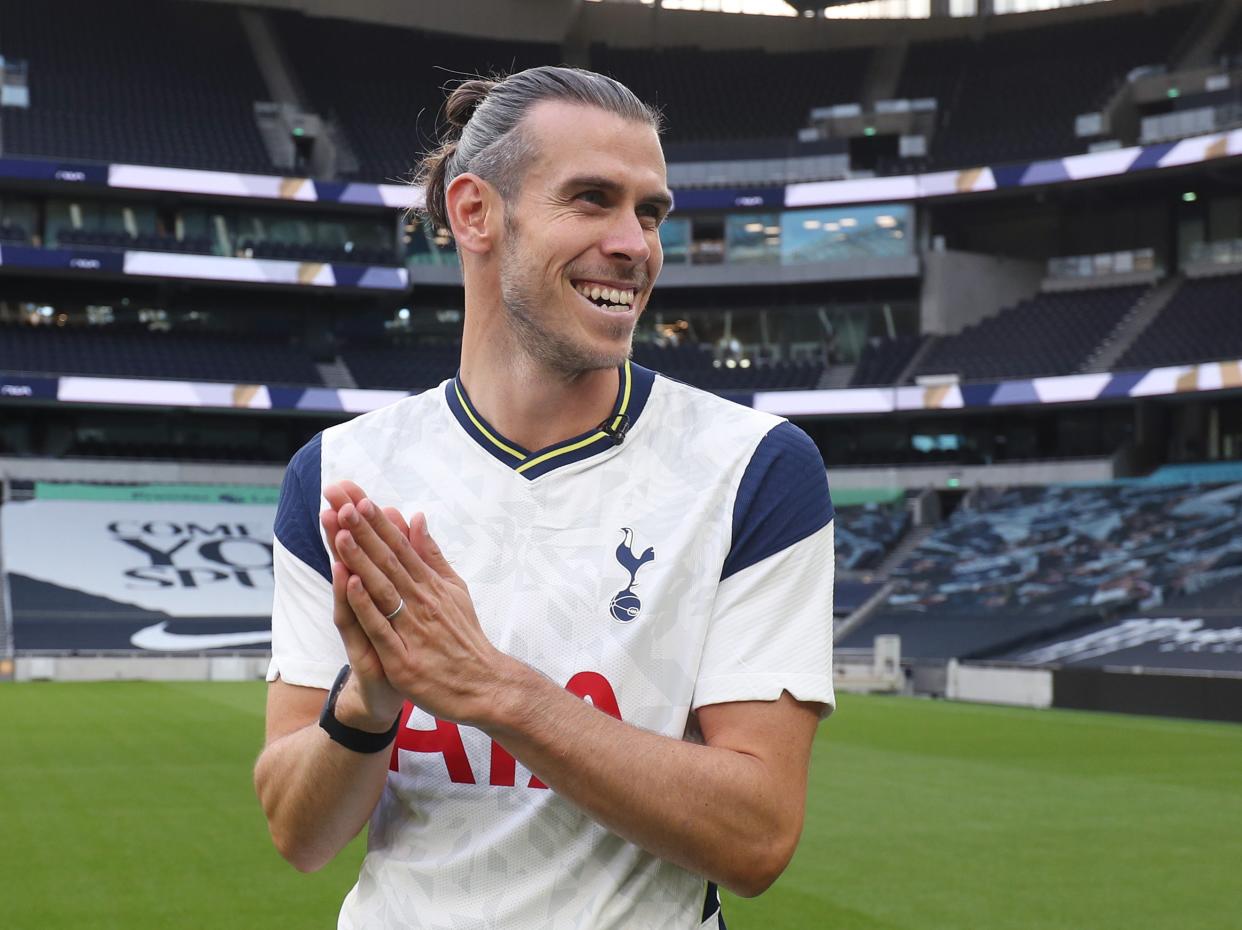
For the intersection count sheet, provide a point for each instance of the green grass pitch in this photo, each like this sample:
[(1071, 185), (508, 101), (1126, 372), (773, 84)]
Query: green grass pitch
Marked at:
[(129, 805)]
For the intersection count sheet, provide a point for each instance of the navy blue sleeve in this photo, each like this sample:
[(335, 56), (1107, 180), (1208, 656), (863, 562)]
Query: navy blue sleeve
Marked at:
[(297, 513), (783, 498)]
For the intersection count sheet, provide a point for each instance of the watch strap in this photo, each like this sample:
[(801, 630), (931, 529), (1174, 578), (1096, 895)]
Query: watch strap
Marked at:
[(361, 741)]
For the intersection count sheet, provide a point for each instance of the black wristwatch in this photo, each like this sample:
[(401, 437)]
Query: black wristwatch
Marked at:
[(351, 737)]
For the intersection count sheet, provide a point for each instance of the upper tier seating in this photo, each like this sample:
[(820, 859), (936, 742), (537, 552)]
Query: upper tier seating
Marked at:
[(401, 367), (12, 232), (151, 242), (1200, 323), (140, 353), (173, 82), (1050, 334), (1014, 95), (383, 84), (1230, 47), (694, 364), (883, 360), (298, 252), (150, 82), (420, 366), (736, 94)]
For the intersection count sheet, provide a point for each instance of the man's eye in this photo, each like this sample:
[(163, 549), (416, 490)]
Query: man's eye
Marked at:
[(595, 197)]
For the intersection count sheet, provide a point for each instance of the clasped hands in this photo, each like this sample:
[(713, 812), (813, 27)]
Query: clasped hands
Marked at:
[(433, 651)]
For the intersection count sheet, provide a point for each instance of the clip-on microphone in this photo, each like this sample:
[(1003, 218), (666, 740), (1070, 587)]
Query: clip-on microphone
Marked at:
[(617, 433)]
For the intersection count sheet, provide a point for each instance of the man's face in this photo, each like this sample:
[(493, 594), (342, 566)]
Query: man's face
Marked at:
[(581, 245)]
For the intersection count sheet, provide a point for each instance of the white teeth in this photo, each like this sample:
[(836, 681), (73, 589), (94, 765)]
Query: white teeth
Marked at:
[(615, 299)]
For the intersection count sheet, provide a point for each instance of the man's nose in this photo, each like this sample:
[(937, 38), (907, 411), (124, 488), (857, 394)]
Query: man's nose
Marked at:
[(627, 239)]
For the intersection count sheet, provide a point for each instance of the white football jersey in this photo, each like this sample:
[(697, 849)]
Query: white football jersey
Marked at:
[(680, 555)]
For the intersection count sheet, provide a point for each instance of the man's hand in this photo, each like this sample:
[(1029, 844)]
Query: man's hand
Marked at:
[(369, 701), (730, 810), (433, 651)]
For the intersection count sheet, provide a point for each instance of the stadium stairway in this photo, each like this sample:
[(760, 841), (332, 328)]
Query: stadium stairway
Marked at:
[(836, 376), (1132, 326), (916, 360), (336, 374), (884, 73), (843, 628), (903, 550), (1201, 44)]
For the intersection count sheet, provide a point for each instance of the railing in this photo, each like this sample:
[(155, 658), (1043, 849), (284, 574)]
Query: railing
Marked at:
[(1103, 264), (1183, 123), (1220, 252)]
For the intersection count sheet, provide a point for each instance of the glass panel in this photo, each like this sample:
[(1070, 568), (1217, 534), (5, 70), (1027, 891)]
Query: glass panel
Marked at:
[(753, 238), (17, 220), (675, 239), (843, 233)]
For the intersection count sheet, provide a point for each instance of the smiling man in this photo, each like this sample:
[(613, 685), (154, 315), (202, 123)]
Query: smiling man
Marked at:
[(590, 700)]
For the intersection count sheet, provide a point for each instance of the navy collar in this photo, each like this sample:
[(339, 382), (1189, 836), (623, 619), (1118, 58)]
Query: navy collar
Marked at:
[(632, 393)]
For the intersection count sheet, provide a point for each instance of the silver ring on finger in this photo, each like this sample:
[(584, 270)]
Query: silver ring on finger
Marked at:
[(396, 610)]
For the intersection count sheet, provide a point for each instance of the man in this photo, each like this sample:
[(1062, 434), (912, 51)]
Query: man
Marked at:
[(591, 696)]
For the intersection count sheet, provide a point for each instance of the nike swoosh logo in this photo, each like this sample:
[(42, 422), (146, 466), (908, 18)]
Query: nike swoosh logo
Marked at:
[(158, 639)]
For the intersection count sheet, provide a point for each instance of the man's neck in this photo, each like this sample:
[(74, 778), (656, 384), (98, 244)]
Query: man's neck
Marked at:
[(532, 406)]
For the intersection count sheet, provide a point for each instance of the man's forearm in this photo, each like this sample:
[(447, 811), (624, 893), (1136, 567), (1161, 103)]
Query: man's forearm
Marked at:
[(711, 810), (317, 794)]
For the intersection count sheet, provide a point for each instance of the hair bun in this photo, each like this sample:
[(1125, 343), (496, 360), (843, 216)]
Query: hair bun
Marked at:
[(465, 97)]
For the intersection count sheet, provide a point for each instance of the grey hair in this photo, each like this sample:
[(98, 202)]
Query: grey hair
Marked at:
[(484, 120)]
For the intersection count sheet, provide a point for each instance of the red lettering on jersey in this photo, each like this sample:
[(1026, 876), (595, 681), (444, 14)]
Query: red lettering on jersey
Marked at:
[(444, 739), (595, 686), (504, 767)]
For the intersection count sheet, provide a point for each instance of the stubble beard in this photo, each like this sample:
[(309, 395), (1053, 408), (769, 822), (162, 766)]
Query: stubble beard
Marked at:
[(536, 334)]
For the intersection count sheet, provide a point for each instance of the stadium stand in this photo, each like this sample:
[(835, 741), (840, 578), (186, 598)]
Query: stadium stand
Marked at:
[(383, 85), (153, 242), (167, 83), (1050, 334), (297, 252), (865, 534), (11, 232), (696, 364), (728, 95), (883, 360), (1014, 566), (420, 366), (412, 367), (139, 353), (1015, 95), (1200, 322), (1066, 551)]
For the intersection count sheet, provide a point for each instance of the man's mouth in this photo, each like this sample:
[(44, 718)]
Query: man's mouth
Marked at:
[(606, 296)]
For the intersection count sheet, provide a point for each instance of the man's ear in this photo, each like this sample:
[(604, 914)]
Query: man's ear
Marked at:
[(474, 208)]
